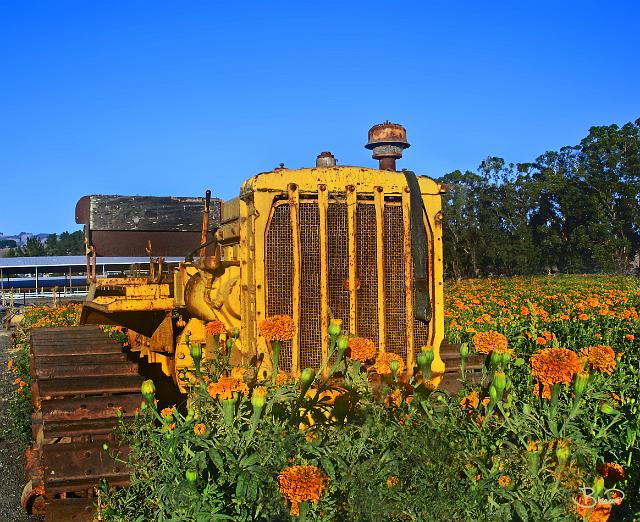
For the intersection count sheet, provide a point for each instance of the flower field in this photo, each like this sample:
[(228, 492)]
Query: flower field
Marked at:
[(547, 431)]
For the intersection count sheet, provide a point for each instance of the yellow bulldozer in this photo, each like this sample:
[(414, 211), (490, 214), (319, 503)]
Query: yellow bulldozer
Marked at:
[(357, 244)]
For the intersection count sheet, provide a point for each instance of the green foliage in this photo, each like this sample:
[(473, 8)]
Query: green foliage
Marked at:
[(66, 244), (576, 210)]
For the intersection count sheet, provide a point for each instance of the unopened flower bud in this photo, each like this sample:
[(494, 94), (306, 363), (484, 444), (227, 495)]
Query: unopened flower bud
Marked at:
[(335, 327), (342, 343), (307, 376), (191, 475), (598, 487), (148, 389), (236, 333), (464, 350), (196, 352), (580, 383), (258, 397), (562, 451), (105, 447), (500, 382), (394, 365), (607, 409), (493, 393)]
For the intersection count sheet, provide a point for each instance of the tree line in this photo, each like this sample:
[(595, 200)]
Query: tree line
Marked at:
[(576, 210), (65, 244)]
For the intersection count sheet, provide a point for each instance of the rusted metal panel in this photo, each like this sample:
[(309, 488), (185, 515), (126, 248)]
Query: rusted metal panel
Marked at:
[(323, 203), (352, 283), (96, 370), (70, 510), (81, 360), (148, 213), (87, 408), (89, 386), (78, 466), (74, 349), (134, 243), (379, 203), (408, 272)]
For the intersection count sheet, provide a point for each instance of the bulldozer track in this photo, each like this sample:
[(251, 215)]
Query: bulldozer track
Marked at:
[(450, 355), (81, 377)]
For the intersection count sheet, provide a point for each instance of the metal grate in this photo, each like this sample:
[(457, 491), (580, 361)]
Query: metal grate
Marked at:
[(338, 260), (367, 272), (280, 272), (310, 335), (394, 281)]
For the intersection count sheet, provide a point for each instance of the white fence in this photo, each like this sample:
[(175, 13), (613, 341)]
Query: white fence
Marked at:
[(13, 296)]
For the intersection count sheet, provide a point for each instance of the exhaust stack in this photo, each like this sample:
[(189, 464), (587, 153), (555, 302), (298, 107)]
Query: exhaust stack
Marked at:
[(387, 141)]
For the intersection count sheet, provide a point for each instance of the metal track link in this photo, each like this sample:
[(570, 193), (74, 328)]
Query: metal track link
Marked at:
[(81, 377), (450, 354)]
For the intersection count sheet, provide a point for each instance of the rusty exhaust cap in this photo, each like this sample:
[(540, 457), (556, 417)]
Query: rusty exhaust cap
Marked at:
[(325, 160), (387, 141)]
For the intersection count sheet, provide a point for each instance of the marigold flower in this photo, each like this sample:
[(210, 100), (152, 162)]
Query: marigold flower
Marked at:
[(362, 349), (381, 365), (591, 510), (546, 391), (555, 365), (504, 481), (393, 399), (9, 364), (583, 317), (302, 484), (486, 342), (16, 380), (215, 327), (225, 387), (600, 358), (629, 337), (392, 481), (611, 470), (199, 429), (282, 378), (541, 341), (238, 373), (471, 401), (277, 328), (167, 412)]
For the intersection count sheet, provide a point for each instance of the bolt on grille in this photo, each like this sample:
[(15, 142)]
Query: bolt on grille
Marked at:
[(280, 284)]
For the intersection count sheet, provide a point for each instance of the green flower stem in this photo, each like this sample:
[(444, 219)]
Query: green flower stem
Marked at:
[(275, 359), (229, 409)]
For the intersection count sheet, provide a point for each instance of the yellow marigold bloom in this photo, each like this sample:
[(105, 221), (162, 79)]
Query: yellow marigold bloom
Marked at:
[(238, 373), (199, 429), (546, 391), (282, 377), (167, 412), (392, 481), (600, 358), (225, 387), (611, 470), (486, 342), (393, 399), (555, 365), (302, 484), (215, 327), (277, 328), (381, 365), (362, 349), (471, 401), (504, 481)]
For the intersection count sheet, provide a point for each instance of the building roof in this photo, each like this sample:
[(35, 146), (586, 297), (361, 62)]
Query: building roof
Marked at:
[(23, 265)]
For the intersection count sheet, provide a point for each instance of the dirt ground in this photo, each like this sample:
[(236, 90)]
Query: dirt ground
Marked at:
[(11, 456)]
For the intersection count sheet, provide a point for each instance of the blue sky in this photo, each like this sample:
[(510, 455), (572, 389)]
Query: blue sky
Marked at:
[(172, 98)]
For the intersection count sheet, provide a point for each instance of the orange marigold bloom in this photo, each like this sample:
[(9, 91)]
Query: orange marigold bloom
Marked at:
[(9, 364), (564, 317), (283, 377), (362, 349), (504, 481), (381, 365), (215, 327), (392, 481), (302, 484), (611, 470), (600, 358), (524, 311), (277, 328), (629, 337), (583, 317), (546, 391), (592, 511), (555, 365), (238, 373), (225, 387), (393, 399), (167, 412), (486, 342), (199, 429), (541, 341), (16, 380), (547, 335), (471, 401)]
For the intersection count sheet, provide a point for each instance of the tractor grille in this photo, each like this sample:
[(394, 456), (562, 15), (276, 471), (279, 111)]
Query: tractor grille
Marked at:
[(280, 267)]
